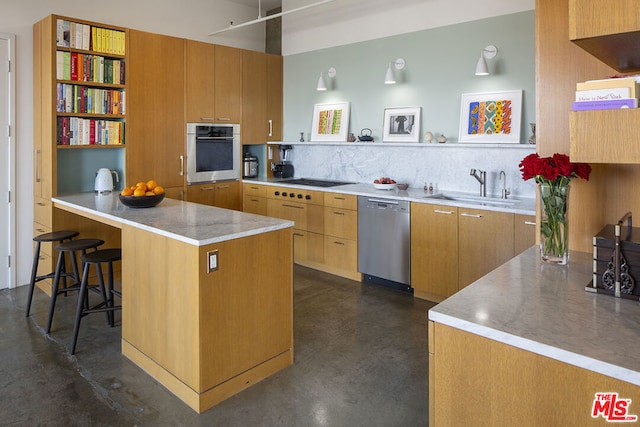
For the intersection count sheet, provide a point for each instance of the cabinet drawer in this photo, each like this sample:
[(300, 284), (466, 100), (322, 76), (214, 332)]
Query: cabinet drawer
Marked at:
[(341, 223), (338, 200), (307, 247), (341, 253), (255, 205), (306, 217), (43, 212), (45, 247), (255, 190)]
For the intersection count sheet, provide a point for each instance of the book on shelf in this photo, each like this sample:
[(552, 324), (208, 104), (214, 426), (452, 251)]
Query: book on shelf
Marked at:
[(603, 94), (605, 105), (622, 82)]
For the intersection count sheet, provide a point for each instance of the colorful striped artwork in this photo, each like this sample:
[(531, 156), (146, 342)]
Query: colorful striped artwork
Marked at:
[(330, 122), (490, 117)]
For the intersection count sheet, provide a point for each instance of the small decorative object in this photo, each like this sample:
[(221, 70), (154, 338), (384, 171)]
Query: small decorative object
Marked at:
[(403, 187), (492, 117), (553, 175), (301, 136), (365, 135), (532, 138), (352, 137), (330, 122), (442, 139), (401, 125), (428, 137)]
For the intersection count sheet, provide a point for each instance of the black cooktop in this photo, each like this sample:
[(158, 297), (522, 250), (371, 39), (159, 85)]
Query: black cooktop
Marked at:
[(315, 182)]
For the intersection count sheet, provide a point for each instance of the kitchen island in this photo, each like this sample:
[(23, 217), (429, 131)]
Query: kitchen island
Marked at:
[(207, 306), (527, 345)]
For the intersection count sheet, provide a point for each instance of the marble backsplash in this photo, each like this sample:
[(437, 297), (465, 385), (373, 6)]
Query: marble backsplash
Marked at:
[(447, 166)]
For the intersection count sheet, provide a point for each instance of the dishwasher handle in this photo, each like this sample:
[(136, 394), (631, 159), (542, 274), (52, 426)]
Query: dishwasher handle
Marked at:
[(385, 201)]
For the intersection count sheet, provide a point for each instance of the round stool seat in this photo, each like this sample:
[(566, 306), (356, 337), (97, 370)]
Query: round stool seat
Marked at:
[(55, 236), (103, 255), (79, 244)]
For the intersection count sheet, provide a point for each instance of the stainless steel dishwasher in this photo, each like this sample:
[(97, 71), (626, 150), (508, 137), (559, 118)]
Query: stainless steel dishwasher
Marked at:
[(384, 241)]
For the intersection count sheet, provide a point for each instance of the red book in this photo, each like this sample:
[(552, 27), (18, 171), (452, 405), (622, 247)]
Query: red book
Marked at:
[(92, 132), (74, 66)]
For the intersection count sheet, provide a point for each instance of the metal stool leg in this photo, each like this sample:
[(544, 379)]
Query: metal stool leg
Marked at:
[(34, 272), (54, 290), (82, 295)]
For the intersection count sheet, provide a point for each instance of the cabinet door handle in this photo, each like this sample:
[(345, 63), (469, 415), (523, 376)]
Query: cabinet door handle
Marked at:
[(224, 119), (292, 206), (207, 188), (298, 234), (443, 212), (338, 243), (338, 198), (207, 119), (529, 223), (254, 200), (37, 165), (338, 213), (222, 187), (40, 204), (181, 165), (270, 127), (254, 188), (470, 215), (39, 230)]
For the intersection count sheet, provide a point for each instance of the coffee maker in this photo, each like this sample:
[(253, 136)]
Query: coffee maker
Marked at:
[(284, 168)]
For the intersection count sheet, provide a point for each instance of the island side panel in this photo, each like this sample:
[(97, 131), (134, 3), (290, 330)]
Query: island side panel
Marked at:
[(478, 381), (160, 303), (246, 306)]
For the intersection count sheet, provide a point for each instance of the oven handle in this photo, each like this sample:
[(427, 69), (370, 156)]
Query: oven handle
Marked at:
[(387, 201), (213, 137)]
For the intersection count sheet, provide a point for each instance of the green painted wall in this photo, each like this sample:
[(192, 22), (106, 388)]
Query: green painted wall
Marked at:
[(440, 67)]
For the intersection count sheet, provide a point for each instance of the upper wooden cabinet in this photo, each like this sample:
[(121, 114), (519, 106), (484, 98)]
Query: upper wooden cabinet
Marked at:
[(610, 31), (261, 97), (155, 106), (214, 83)]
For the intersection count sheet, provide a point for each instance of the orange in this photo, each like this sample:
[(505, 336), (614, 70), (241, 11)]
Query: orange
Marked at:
[(158, 189), (126, 192), (139, 192), (149, 193), (151, 184), (142, 186), (133, 187)]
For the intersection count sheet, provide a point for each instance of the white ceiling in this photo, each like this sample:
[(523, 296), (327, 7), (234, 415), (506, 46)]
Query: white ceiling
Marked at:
[(264, 4)]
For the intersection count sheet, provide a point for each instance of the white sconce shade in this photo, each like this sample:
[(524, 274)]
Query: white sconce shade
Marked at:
[(489, 52), (390, 78), (322, 84)]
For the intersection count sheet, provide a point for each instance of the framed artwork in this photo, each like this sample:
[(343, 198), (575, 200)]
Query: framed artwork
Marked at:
[(401, 125), (330, 122), (491, 117)]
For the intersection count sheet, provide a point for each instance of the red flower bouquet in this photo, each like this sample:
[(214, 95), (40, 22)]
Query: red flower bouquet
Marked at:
[(553, 175)]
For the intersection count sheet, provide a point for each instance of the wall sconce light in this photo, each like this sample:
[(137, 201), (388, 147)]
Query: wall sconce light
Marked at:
[(322, 84), (488, 52), (390, 78)]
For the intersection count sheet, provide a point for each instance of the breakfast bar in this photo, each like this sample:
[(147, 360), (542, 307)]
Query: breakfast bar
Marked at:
[(207, 292)]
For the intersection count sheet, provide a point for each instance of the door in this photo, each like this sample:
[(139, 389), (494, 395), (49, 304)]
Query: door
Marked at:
[(7, 154)]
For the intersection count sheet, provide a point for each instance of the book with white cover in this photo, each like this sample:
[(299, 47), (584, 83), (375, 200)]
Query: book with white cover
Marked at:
[(603, 94)]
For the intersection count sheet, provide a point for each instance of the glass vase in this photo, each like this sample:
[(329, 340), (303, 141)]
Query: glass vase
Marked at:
[(554, 235)]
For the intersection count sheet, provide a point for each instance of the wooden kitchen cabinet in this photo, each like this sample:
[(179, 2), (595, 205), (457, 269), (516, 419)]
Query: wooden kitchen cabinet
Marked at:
[(434, 251), (155, 110), (341, 235), (524, 233), (213, 83), (255, 199), (225, 194), (485, 241), (261, 97)]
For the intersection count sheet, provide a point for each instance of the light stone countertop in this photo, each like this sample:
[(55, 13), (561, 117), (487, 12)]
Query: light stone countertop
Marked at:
[(191, 223), (545, 309), (523, 206)]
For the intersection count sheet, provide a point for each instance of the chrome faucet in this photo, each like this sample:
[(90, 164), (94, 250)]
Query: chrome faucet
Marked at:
[(482, 179), (505, 191)]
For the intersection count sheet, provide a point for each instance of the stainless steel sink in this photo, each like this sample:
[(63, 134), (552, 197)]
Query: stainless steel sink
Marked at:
[(480, 201)]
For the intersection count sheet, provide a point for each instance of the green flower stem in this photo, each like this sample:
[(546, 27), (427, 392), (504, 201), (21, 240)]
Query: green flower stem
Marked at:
[(553, 224)]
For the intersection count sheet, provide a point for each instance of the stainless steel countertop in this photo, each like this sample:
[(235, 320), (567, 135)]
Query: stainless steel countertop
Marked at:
[(544, 309), (525, 206), (191, 223)]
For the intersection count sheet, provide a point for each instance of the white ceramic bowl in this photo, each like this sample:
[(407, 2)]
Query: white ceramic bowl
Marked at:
[(384, 186)]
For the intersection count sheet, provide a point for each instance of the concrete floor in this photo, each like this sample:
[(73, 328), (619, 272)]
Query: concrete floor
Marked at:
[(360, 360)]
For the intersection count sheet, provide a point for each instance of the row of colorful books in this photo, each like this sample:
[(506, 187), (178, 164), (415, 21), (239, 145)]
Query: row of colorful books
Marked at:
[(82, 99), (89, 68), (607, 94), (86, 37), (79, 131)]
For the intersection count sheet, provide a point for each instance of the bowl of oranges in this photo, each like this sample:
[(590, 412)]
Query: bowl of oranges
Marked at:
[(142, 195)]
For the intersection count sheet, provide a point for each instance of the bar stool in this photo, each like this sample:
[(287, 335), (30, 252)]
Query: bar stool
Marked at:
[(72, 246), (97, 258), (56, 236)]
